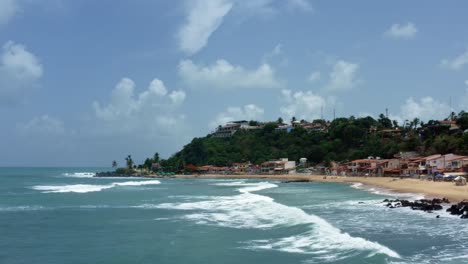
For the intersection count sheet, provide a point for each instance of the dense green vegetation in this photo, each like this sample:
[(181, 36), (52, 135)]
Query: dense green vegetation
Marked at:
[(345, 139)]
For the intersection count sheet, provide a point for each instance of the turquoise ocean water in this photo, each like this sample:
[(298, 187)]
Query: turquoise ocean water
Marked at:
[(63, 215)]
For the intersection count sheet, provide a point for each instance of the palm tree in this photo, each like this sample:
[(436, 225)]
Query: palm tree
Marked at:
[(129, 162), (114, 164)]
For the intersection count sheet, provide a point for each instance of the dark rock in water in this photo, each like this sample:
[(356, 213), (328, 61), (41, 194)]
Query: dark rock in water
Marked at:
[(360, 202), (385, 201), (438, 216), (459, 209), (290, 181)]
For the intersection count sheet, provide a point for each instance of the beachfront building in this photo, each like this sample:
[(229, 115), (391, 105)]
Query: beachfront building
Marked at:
[(391, 167), (241, 168), (281, 166), (369, 166), (210, 169), (456, 163)]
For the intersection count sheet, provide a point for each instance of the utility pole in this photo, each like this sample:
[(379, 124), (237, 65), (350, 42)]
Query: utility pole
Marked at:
[(321, 112), (386, 112), (333, 113)]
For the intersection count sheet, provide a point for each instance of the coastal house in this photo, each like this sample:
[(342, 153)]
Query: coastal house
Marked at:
[(240, 168), (227, 130), (281, 166), (455, 163), (391, 167), (365, 166), (230, 128)]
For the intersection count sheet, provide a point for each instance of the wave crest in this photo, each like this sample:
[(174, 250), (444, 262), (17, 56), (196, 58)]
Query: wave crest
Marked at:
[(85, 188)]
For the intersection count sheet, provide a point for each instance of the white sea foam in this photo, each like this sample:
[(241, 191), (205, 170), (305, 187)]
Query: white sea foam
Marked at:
[(386, 192), (22, 208), (85, 188), (254, 211), (80, 174)]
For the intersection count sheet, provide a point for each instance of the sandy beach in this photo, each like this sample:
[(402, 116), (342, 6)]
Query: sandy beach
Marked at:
[(428, 188)]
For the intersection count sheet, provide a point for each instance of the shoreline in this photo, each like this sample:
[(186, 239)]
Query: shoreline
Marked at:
[(428, 189), (412, 186)]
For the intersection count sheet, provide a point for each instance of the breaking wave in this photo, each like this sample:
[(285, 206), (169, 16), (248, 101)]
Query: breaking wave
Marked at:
[(85, 188), (80, 174), (253, 211)]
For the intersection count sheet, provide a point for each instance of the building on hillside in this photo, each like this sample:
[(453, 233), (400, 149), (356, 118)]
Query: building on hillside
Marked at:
[(230, 128), (226, 131), (282, 166)]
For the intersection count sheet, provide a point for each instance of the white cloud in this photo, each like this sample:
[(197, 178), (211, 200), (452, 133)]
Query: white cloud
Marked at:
[(425, 109), (8, 9), (151, 113), (223, 75), (247, 112), (125, 104), (19, 69), (314, 77), (204, 17), (157, 86), (302, 5), (177, 97), (302, 105), (456, 63), (43, 125), (343, 76), (401, 31), (19, 63)]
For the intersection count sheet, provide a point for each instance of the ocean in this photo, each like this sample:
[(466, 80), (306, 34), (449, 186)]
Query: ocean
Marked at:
[(64, 215)]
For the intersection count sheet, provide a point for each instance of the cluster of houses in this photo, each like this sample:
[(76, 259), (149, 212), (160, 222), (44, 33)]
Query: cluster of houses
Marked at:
[(406, 164), (403, 164), (281, 166), (230, 128)]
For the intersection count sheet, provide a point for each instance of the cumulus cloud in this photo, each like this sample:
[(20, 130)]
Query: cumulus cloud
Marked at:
[(125, 104), (314, 77), (343, 76), (398, 31), (8, 9), (224, 75), (19, 69), (203, 18), (19, 64), (425, 109), (43, 125), (152, 112), (302, 105), (247, 112), (456, 63)]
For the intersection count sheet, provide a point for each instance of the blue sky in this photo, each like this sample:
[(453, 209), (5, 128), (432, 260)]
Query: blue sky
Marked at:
[(85, 82)]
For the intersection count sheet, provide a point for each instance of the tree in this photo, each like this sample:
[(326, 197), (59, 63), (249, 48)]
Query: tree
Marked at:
[(114, 164), (129, 162), (280, 120), (384, 121), (462, 120), (293, 119), (156, 157)]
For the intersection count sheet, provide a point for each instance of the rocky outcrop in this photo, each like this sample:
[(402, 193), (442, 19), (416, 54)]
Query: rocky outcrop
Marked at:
[(460, 209), (423, 204)]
